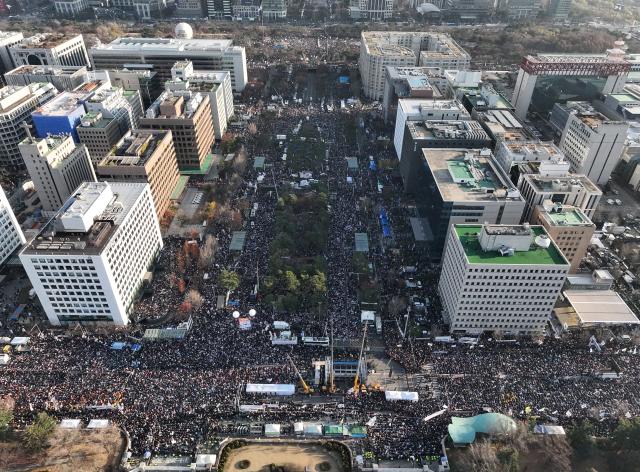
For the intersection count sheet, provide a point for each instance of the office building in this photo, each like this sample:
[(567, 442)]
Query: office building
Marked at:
[(399, 49), (274, 9), (500, 278), (250, 10), (163, 53), (143, 9), (483, 98), (63, 78), (219, 9), (50, 49), (520, 10), (419, 135), (370, 9), (8, 39), (188, 116), (141, 80), (405, 82), (470, 11), (144, 156), (16, 105), (570, 189), (57, 166), (593, 144), (114, 102), (569, 228), (463, 186), (215, 84), (71, 8), (89, 261), (559, 9), (414, 109), (512, 153), (502, 125), (189, 9), (61, 115), (546, 79), (11, 236), (99, 135)]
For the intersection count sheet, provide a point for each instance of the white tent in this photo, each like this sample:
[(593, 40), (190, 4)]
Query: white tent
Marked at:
[(272, 430), (205, 460), (272, 389), (20, 341), (98, 424), (396, 395), (4, 359), (367, 315), (298, 427), (312, 429), (549, 429), (70, 423)]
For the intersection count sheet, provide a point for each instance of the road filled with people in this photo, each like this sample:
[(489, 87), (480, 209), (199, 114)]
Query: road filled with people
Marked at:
[(173, 396)]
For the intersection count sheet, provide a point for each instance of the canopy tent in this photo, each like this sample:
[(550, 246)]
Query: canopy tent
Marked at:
[(549, 429), (20, 341), (205, 460), (357, 431), (463, 430), (258, 162), (70, 423), (4, 359), (397, 395), (272, 389), (272, 430), (334, 430), (118, 346), (367, 315), (362, 242), (154, 334), (237, 240), (352, 163), (98, 424), (312, 429)]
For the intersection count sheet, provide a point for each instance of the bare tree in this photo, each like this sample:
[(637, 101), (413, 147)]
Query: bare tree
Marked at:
[(194, 298), (396, 306), (208, 251)]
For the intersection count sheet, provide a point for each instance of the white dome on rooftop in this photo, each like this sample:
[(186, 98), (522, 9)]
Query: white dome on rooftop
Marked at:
[(184, 31)]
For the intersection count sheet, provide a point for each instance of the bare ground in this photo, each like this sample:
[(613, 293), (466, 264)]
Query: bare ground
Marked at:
[(293, 457)]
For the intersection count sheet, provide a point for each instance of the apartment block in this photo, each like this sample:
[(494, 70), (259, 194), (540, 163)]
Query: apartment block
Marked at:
[(144, 156), (57, 166), (89, 261), (500, 278)]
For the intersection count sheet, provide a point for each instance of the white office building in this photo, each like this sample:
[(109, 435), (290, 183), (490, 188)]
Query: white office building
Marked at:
[(11, 236), (57, 166), (593, 144), (114, 102), (371, 9), (50, 49), (512, 153), (379, 49), (160, 54), (70, 8), (8, 39), (16, 105), (89, 261), (502, 278), (419, 109)]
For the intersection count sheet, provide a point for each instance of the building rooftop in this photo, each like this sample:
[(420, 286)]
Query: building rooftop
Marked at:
[(44, 40), (134, 149), (62, 104), (568, 184), (88, 219), (447, 129), (414, 106), (176, 104), (469, 236), (163, 45), (469, 175), (604, 307), (95, 120), (559, 215), (504, 125), (12, 96), (48, 70), (586, 113)]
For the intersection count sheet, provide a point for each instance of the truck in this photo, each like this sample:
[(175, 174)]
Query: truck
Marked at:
[(378, 324)]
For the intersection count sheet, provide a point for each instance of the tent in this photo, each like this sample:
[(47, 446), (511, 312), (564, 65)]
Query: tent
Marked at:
[(298, 427), (463, 430), (70, 423), (397, 395), (334, 430), (4, 359), (367, 315), (272, 389), (272, 430), (20, 341), (357, 431), (549, 429), (118, 346), (205, 460), (98, 424), (312, 429)]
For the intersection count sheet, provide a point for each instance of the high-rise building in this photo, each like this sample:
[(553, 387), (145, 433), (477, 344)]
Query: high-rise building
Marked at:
[(99, 135), (8, 39), (274, 9), (71, 8), (405, 82), (559, 9), (469, 10), (16, 105), (371, 9), (415, 109), (463, 186), (419, 135), (566, 189), (216, 84), (189, 8), (247, 10), (593, 144), (142, 80), (512, 153), (503, 278), (89, 261), (569, 228), (61, 115), (219, 9), (50, 49), (520, 10), (188, 116), (11, 236), (380, 49), (64, 78), (144, 156), (114, 102), (161, 54), (57, 166)]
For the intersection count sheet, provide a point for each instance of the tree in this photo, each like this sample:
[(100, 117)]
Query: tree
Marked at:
[(208, 251), (5, 420), (396, 306), (37, 435), (228, 280), (290, 281), (194, 298), (318, 283), (580, 437), (509, 458)]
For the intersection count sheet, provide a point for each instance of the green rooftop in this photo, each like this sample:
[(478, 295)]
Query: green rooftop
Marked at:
[(469, 234), (571, 217), (624, 98)]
